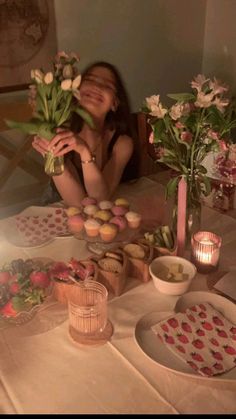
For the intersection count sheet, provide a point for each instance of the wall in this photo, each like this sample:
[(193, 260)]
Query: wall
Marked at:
[(150, 41), (219, 57)]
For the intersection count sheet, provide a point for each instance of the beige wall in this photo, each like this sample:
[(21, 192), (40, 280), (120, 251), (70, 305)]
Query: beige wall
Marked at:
[(219, 57), (156, 44)]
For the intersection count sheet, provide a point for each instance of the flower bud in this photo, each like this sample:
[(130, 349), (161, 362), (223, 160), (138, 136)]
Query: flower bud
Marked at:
[(76, 82), (66, 84), (67, 71), (38, 76), (48, 78)]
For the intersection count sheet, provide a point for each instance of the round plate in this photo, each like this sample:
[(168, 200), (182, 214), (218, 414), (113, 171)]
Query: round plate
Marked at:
[(151, 345)]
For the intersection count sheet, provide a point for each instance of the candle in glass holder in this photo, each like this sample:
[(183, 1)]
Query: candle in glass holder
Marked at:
[(205, 251)]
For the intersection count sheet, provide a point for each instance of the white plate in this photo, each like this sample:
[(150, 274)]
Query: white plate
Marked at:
[(159, 353)]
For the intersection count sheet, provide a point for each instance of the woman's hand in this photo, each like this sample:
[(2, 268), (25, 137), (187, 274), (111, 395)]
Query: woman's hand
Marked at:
[(66, 141), (41, 145)]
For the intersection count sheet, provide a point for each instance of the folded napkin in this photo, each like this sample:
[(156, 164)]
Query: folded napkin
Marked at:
[(36, 229), (202, 337)]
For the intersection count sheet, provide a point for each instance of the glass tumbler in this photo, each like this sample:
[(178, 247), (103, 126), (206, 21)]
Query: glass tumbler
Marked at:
[(88, 308), (205, 251)]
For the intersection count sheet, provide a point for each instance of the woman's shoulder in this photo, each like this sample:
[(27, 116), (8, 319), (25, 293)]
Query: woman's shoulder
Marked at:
[(118, 141)]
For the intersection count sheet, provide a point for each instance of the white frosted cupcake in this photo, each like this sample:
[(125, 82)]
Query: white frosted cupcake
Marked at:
[(133, 218), (90, 209), (92, 227), (105, 205)]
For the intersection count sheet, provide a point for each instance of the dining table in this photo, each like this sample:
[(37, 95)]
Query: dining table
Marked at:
[(42, 371)]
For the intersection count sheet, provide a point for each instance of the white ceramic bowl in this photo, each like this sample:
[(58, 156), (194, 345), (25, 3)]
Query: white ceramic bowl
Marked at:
[(171, 287)]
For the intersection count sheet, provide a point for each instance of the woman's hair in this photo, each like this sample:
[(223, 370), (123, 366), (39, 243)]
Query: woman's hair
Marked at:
[(120, 120)]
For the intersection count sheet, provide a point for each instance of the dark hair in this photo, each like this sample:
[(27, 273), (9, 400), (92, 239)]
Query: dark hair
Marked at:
[(120, 120)]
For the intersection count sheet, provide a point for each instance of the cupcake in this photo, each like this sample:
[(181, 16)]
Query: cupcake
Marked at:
[(105, 205), (119, 210), (92, 227), (88, 201), (90, 209), (133, 218), (72, 211), (108, 232), (75, 223), (122, 201), (103, 215), (121, 222)]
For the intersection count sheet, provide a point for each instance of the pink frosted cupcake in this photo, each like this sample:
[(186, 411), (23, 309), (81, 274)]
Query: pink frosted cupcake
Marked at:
[(75, 223), (121, 222), (88, 201), (105, 205), (108, 232), (91, 209), (92, 227), (103, 215), (119, 210), (122, 201), (133, 218)]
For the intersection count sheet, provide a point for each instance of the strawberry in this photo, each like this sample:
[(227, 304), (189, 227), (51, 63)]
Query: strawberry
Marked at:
[(169, 339), (229, 350), (200, 332), (165, 327), (206, 370), (217, 355), (180, 349), (193, 308), (186, 327), (217, 321), (197, 357), (202, 315), (173, 323), (191, 318), (202, 307), (198, 343), (182, 338), (207, 325), (60, 270), (218, 366), (4, 277), (214, 342), (233, 330), (192, 365), (39, 279), (221, 333), (14, 288), (8, 310)]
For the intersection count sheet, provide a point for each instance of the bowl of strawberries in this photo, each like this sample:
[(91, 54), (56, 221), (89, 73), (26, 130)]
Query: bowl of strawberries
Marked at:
[(24, 286)]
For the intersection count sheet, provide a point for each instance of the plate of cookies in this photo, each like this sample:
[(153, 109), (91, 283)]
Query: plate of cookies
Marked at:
[(104, 221)]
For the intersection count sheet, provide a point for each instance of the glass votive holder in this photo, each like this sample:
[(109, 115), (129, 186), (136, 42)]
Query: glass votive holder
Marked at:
[(205, 251), (87, 307)]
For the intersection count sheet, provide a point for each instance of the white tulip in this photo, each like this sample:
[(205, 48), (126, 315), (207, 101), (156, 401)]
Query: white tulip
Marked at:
[(66, 84), (48, 78), (38, 76), (76, 82)]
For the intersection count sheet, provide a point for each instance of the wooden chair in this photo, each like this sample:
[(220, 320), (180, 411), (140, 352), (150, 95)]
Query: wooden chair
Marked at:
[(145, 150), (18, 157)]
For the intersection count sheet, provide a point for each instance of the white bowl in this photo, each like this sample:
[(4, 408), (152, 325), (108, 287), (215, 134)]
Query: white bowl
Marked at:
[(171, 287)]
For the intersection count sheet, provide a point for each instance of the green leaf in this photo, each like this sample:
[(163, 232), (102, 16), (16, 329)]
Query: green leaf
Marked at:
[(207, 184), (171, 187), (26, 127), (182, 97), (46, 131), (85, 116)]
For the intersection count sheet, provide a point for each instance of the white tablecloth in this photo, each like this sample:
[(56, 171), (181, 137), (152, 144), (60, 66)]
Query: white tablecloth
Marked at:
[(43, 371)]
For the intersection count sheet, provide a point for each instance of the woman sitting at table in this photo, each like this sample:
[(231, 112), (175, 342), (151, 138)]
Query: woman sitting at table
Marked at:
[(95, 158)]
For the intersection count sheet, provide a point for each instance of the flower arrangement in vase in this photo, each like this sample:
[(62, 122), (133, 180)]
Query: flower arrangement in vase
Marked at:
[(187, 131), (54, 96)]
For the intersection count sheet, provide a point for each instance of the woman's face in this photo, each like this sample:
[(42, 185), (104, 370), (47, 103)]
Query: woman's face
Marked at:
[(98, 92)]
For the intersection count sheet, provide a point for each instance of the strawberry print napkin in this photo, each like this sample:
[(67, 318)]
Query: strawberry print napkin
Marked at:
[(202, 337), (37, 229)]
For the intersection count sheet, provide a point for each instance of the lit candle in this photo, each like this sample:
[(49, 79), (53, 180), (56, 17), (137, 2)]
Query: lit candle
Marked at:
[(205, 250)]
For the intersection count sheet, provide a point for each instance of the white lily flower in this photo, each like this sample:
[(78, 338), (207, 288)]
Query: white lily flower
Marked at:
[(198, 82), (221, 104), (176, 111), (203, 100), (66, 84), (76, 82), (48, 78), (67, 71)]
